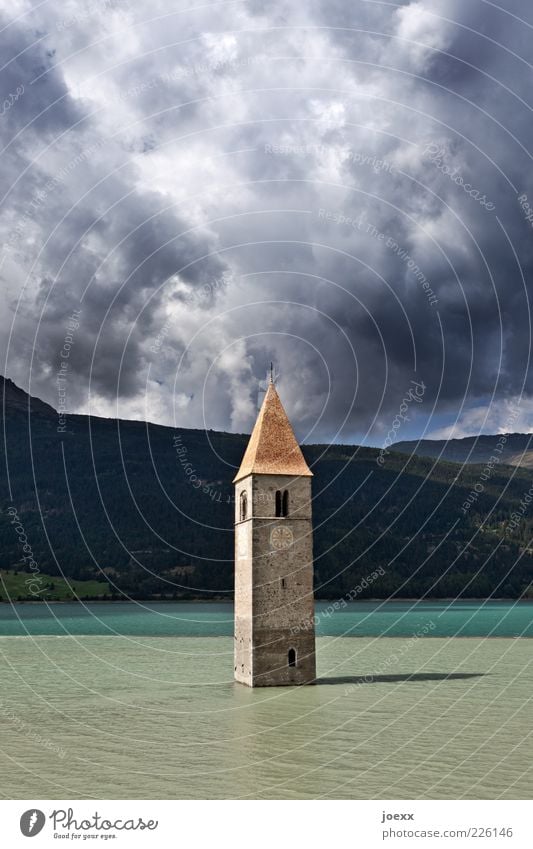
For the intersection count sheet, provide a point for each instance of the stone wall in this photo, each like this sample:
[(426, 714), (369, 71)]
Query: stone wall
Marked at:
[(274, 607)]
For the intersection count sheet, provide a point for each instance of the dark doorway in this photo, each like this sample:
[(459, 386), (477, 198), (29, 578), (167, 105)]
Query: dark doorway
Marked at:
[(292, 657)]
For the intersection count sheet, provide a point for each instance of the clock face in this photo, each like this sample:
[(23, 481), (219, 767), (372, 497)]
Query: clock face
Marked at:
[(281, 537)]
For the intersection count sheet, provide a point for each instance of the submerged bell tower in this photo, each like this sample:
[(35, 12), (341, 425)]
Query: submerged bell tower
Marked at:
[(274, 605)]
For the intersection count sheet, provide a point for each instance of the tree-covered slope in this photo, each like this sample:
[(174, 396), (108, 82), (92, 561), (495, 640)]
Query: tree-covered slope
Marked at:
[(151, 508), (516, 451)]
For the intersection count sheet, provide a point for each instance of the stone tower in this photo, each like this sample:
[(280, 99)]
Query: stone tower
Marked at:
[(274, 607)]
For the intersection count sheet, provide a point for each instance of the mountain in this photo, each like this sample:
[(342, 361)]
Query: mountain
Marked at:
[(15, 398), (151, 508), (516, 451)]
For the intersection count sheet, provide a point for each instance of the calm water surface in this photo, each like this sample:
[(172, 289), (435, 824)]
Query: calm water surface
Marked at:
[(188, 619), (126, 701)]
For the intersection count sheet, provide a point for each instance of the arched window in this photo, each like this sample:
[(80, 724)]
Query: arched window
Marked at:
[(291, 657), (243, 506), (282, 502)]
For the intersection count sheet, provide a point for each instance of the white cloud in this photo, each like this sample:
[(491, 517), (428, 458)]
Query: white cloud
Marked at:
[(512, 415), (168, 121)]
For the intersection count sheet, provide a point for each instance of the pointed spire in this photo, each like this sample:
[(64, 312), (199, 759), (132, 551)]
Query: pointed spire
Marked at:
[(272, 449)]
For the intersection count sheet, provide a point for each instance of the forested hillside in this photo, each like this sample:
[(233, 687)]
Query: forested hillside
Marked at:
[(516, 450), (151, 508)]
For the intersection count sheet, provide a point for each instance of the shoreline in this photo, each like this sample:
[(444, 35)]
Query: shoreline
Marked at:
[(445, 637), (447, 600)]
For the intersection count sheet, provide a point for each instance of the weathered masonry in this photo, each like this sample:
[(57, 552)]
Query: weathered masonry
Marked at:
[(274, 606)]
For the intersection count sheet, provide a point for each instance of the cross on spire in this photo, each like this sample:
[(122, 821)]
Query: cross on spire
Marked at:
[(271, 376)]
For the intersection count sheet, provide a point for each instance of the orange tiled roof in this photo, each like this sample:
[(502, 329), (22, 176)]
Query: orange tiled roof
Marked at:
[(272, 449)]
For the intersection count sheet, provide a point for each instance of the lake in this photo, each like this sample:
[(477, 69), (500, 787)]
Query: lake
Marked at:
[(188, 619), (144, 706)]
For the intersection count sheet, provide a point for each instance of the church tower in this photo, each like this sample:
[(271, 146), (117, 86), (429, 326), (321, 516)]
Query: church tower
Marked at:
[(274, 607)]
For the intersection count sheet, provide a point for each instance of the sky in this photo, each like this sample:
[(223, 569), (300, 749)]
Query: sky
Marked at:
[(345, 188)]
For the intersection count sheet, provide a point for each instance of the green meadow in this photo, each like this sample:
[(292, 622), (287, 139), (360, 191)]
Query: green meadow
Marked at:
[(15, 586)]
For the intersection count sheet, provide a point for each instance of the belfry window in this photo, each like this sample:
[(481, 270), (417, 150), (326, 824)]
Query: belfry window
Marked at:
[(243, 506), (282, 503), (291, 657)]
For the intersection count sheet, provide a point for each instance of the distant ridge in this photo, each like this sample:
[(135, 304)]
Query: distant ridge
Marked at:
[(14, 398), (150, 509), (517, 451)]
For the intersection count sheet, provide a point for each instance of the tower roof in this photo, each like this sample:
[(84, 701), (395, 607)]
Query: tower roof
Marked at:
[(272, 449)]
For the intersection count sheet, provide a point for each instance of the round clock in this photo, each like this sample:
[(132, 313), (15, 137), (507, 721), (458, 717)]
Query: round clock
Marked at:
[(281, 537)]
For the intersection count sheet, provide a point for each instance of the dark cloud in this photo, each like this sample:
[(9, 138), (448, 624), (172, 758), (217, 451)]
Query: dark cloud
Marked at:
[(119, 277), (333, 164), (44, 104)]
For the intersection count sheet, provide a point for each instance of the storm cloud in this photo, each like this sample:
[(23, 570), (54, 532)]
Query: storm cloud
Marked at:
[(343, 189)]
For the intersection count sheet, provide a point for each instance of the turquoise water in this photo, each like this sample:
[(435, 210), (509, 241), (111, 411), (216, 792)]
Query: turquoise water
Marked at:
[(194, 619), (161, 718), (138, 701)]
